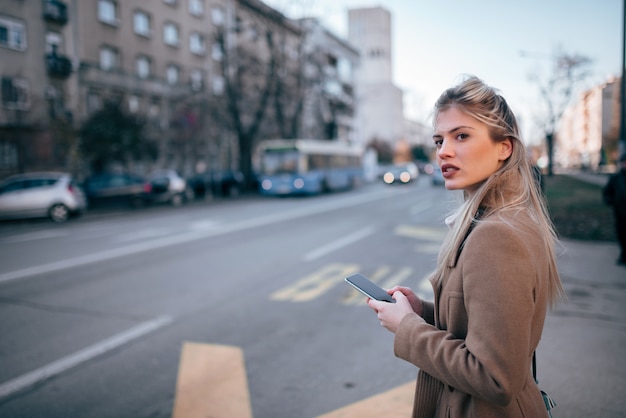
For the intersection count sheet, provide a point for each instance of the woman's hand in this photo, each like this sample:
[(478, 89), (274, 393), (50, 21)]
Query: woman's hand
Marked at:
[(414, 300), (390, 314)]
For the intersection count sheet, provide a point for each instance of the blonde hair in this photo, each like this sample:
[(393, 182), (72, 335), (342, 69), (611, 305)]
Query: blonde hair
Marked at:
[(513, 187)]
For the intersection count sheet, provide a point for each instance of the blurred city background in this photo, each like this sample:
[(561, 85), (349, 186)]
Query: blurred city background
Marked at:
[(183, 179)]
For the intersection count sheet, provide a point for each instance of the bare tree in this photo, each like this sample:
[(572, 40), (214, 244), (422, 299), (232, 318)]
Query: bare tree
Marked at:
[(249, 78), (290, 85), (557, 91)]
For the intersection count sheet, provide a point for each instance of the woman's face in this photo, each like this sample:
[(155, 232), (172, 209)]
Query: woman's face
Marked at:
[(465, 151)]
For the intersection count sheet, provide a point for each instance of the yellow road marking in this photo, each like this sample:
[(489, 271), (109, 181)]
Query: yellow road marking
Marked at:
[(397, 402), (421, 232), (314, 285), (211, 383)]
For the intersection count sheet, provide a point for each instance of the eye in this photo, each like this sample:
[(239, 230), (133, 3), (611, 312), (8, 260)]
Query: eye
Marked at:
[(438, 141), (461, 137)]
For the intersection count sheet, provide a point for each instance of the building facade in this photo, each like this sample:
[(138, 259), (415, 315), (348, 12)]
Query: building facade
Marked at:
[(380, 110), (589, 129), (201, 76), (330, 105)]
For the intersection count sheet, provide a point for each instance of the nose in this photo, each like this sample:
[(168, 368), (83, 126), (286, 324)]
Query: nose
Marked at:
[(446, 149)]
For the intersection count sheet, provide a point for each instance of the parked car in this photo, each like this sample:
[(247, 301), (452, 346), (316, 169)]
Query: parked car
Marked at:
[(437, 176), (168, 187), (117, 190), (217, 183), (41, 194), (400, 173)]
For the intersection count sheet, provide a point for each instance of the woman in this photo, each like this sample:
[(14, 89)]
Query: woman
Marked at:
[(496, 272)]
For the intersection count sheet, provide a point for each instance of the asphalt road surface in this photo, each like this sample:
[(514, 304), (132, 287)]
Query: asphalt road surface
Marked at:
[(94, 313)]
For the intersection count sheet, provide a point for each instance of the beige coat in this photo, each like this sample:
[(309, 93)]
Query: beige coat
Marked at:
[(479, 342)]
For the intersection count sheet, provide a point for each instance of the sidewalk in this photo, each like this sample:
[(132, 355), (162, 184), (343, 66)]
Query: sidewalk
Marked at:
[(581, 361)]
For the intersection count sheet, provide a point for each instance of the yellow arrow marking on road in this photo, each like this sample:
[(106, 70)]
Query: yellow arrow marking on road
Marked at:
[(211, 383)]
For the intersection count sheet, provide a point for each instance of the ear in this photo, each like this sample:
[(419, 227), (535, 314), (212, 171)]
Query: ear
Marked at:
[(505, 149)]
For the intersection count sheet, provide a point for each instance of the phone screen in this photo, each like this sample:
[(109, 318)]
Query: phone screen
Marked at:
[(369, 288)]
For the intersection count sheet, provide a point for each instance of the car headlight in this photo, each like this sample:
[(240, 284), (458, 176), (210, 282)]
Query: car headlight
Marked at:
[(388, 178), (298, 183), (405, 177), (266, 184)]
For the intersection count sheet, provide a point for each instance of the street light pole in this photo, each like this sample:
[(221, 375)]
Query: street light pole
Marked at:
[(621, 146)]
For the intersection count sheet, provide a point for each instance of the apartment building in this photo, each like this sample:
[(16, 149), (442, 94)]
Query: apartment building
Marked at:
[(201, 76), (33, 69), (589, 129), (330, 104)]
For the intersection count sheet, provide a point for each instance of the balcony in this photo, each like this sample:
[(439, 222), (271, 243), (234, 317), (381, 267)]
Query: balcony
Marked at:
[(58, 66), (55, 11)]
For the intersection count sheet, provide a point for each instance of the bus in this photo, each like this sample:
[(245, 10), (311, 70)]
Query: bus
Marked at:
[(307, 166)]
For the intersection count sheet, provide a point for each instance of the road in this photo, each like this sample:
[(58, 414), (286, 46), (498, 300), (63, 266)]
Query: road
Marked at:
[(95, 312)]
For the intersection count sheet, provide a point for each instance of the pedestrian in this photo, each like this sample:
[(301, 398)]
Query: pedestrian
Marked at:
[(614, 194), (496, 273)]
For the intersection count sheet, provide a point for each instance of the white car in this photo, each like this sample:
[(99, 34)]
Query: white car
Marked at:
[(41, 194), (168, 187)]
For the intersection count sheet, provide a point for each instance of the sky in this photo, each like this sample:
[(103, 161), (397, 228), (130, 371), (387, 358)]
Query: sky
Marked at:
[(503, 42)]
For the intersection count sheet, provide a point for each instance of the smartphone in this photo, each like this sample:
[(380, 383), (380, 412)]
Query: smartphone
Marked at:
[(369, 288)]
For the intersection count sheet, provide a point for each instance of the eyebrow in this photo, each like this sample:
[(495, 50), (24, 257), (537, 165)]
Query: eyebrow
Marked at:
[(454, 130)]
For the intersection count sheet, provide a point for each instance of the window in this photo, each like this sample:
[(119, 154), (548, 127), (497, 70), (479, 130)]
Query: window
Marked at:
[(154, 109), (107, 12), (15, 93), (170, 34), (217, 15), (94, 103), (12, 34), (197, 80), (216, 52), (196, 7), (197, 44), (218, 85), (8, 155), (141, 22), (133, 104), (344, 68), (172, 74), (142, 67), (109, 58)]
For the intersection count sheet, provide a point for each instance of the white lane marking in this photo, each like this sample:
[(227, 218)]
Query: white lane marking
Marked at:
[(65, 363), (33, 236), (203, 225), (190, 236), (420, 207), (335, 245), (143, 234)]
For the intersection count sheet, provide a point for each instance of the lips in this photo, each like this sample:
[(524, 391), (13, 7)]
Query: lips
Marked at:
[(448, 170)]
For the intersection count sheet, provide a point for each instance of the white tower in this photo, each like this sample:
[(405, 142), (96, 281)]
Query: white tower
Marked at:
[(380, 113)]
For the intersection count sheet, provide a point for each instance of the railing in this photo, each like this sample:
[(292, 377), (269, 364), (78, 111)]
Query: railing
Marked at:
[(55, 11), (58, 65)]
